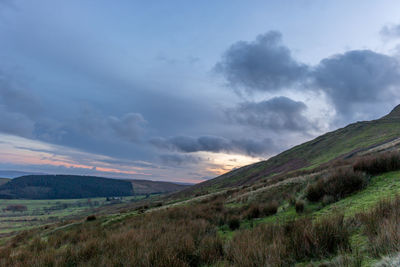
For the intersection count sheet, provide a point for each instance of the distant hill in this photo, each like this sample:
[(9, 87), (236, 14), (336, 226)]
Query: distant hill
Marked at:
[(63, 186), (342, 143), (4, 180), (15, 174), (74, 186), (146, 187)]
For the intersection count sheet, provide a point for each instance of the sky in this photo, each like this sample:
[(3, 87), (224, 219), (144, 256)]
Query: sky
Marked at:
[(185, 91)]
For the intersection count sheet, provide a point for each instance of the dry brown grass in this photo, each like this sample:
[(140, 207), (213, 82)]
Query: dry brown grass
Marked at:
[(380, 163), (283, 245), (338, 184), (178, 236), (382, 226)]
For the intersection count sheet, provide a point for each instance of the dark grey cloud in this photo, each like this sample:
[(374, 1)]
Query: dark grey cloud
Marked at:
[(15, 123), (357, 77), (215, 144), (179, 159), (352, 81), (390, 31), (18, 107), (262, 65), (276, 114), (16, 98), (128, 127)]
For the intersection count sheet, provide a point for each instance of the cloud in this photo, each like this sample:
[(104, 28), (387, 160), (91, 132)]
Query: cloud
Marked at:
[(179, 160), (18, 107), (262, 65), (15, 123), (215, 144), (352, 81), (128, 127), (390, 31), (276, 114), (15, 98), (356, 78)]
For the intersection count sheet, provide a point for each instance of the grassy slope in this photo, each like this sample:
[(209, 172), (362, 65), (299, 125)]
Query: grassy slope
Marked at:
[(383, 186), (343, 142), (151, 187)]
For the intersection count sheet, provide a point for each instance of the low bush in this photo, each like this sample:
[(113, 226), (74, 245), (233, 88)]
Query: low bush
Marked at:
[(91, 218), (299, 206), (291, 199), (253, 212), (262, 210), (283, 245), (234, 223), (315, 191), (339, 184), (270, 208), (328, 199), (380, 163), (382, 226), (16, 207)]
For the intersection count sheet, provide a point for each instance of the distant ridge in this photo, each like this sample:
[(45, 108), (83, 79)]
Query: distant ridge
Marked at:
[(15, 174), (394, 114), (63, 186), (74, 186)]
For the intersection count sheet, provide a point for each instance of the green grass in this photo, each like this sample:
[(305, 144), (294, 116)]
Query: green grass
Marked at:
[(357, 138), (386, 185), (382, 186)]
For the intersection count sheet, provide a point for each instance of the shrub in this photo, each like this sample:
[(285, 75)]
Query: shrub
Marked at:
[(376, 164), (314, 192), (283, 245), (270, 208), (339, 184), (91, 218), (328, 199), (291, 199), (253, 212), (382, 226), (16, 207), (299, 206), (234, 223), (343, 182)]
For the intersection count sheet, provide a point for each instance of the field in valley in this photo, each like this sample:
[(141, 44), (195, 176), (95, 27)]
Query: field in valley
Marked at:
[(20, 214)]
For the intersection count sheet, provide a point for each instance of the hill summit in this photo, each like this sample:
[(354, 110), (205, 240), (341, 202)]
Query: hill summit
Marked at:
[(394, 114)]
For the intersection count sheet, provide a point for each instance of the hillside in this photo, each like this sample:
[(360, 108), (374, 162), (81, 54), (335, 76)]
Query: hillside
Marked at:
[(343, 143), (152, 187)]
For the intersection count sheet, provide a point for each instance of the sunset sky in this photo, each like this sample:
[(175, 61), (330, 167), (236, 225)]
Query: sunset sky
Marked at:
[(186, 90)]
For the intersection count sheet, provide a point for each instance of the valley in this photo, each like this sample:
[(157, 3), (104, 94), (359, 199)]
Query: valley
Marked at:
[(340, 209)]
